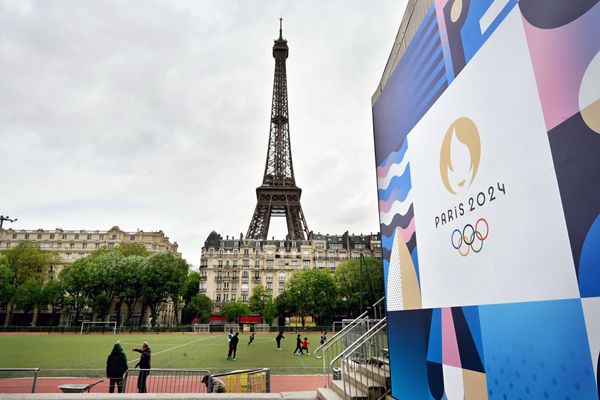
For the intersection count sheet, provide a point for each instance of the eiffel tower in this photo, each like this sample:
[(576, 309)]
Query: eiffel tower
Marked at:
[(278, 196)]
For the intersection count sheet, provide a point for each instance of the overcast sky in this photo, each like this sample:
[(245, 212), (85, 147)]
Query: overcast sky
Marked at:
[(154, 115)]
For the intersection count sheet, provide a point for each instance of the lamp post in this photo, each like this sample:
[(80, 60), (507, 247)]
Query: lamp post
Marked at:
[(2, 219)]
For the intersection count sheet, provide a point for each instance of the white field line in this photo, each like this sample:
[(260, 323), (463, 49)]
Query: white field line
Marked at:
[(173, 348)]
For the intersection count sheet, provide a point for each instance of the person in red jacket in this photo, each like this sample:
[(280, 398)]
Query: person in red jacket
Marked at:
[(305, 346)]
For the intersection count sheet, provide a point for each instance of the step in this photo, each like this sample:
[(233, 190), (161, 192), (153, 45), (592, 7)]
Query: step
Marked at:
[(328, 394), (379, 360), (366, 383), (351, 391), (379, 374)]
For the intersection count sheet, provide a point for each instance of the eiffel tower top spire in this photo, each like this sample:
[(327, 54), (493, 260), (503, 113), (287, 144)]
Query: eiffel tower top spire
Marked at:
[(278, 195)]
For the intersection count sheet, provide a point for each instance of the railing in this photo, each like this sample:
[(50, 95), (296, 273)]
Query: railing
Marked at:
[(16, 372), (247, 381), (165, 381), (351, 332), (361, 363)]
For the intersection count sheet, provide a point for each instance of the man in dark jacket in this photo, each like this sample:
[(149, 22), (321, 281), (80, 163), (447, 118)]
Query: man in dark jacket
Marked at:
[(298, 346), (278, 339), (116, 366), (144, 365), (233, 346)]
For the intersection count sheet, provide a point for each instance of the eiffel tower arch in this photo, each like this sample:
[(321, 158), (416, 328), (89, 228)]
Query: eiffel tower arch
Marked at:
[(278, 196)]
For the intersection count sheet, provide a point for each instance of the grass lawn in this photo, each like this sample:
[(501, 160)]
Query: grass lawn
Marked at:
[(85, 355)]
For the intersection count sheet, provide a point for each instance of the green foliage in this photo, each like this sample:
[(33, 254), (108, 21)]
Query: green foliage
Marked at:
[(7, 289), (132, 249), (259, 298), (269, 311), (162, 277), (53, 294), (234, 310), (285, 304), (359, 284), (191, 286), (28, 295), (199, 305), (26, 261), (314, 293)]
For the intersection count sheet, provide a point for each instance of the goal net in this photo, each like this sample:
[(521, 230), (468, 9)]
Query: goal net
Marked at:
[(262, 328), (98, 326), (201, 328)]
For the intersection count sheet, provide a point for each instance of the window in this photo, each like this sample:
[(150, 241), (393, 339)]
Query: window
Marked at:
[(220, 264), (218, 299), (111, 245), (281, 286), (256, 275), (59, 245), (51, 268), (235, 253), (246, 252), (101, 237), (245, 274), (320, 264), (244, 287), (331, 266), (269, 263), (320, 245), (269, 276), (226, 285), (210, 252), (89, 237), (27, 236), (85, 245), (7, 244), (226, 263), (232, 296), (294, 263), (269, 285), (64, 236), (256, 264), (14, 236), (306, 263), (219, 286), (97, 245), (246, 264), (132, 237), (39, 236), (225, 298), (76, 236), (245, 298), (153, 247), (114, 237), (52, 236), (71, 245), (281, 264), (282, 276)]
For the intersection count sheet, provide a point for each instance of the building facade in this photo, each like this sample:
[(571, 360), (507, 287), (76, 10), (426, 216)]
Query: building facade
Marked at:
[(71, 245), (230, 268)]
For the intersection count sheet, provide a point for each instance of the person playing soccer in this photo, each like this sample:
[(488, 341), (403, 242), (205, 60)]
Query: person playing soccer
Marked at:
[(251, 339), (298, 349), (229, 336), (278, 339), (324, 337), (233, 347), (305, 346)]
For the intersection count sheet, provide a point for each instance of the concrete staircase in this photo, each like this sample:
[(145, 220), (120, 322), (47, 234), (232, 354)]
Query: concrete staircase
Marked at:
[(368, 380)]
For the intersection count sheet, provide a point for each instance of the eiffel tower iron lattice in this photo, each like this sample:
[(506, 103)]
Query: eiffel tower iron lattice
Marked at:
[(278, 196)]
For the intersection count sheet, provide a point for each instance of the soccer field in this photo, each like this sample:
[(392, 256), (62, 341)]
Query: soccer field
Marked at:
[(85, 355)]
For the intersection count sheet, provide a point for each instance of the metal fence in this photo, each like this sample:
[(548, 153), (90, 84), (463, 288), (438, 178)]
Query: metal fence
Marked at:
[(15, 380), (247, 381), (165, 380)]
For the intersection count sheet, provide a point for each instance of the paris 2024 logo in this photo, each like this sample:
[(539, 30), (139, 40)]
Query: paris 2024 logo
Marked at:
[(460, 156)]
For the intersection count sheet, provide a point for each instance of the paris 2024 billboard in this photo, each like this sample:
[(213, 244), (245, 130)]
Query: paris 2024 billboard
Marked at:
[(487, 142)]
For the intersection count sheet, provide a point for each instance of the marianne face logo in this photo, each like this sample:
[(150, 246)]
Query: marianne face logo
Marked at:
[(460, 155)]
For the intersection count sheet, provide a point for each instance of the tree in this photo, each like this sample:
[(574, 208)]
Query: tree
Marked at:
[(359, 286), (74, 277), (23, 263), (234, 310), (28, 295), (7, 288), (199, 305), (285, 304), (132, 249), (129, 285), (269, 311), (191, 286), (259, 298), (163, 276), (314, 293)]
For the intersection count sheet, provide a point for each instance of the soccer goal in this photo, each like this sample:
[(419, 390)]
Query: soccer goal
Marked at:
[(233, 327), (98, 326), (201, 328), (262, 328)]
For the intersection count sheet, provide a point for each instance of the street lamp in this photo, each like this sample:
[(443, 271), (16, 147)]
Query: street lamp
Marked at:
[(5, 218)]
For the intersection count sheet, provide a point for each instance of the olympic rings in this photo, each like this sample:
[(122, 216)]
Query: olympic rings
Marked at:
[(471, 236)]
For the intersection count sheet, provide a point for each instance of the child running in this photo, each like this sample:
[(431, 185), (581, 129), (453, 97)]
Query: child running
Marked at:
[(298, 349), (251, 339), (278, 339), (324, 337), (305, 346)]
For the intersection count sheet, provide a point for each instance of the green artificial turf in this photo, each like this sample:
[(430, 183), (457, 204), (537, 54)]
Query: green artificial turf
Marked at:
[(85, 355)]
